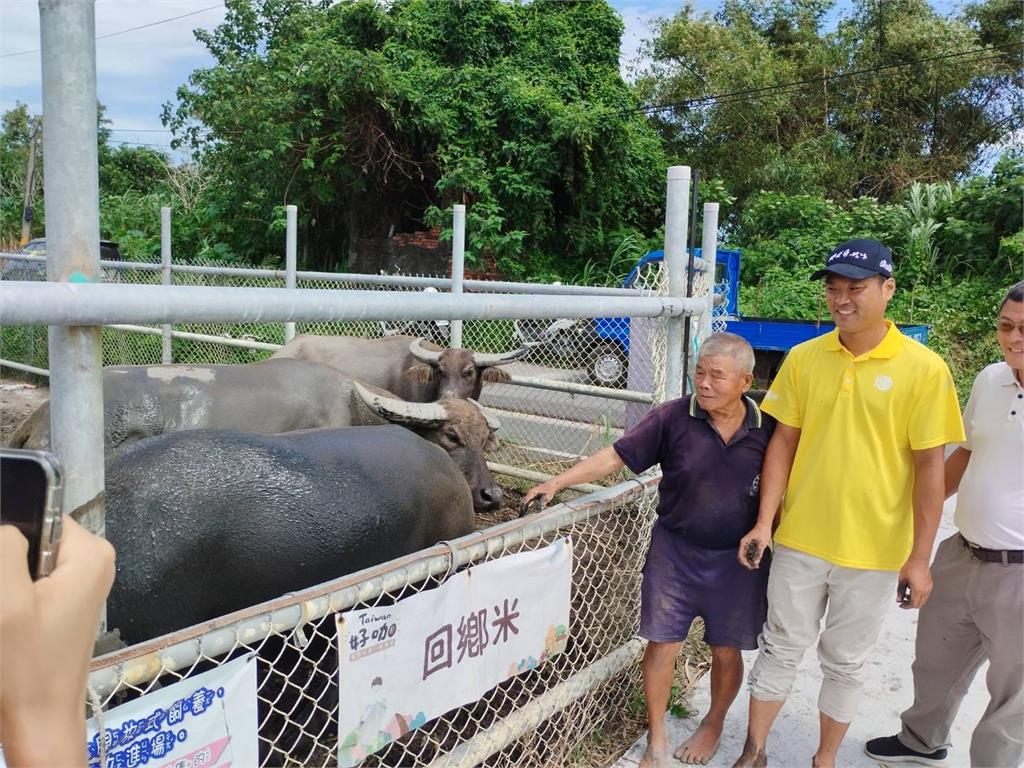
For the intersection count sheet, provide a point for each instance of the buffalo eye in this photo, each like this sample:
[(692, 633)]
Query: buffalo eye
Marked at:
[(452, 435), (467, 373)]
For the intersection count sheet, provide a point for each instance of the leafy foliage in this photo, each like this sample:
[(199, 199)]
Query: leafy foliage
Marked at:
[(375, 118), (957, 250), (864, 118)]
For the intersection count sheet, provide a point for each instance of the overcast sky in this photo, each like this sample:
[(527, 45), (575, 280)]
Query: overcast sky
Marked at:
[(138, 69)]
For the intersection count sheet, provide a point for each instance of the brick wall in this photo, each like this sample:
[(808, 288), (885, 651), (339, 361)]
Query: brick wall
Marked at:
[(411, 253)]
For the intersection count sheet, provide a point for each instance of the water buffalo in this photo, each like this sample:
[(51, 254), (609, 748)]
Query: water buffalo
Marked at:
[(461, 427), (206, 522), (413, 369), (271, 396)]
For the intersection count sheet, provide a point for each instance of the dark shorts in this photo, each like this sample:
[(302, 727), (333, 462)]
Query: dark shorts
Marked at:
[(682, 581)]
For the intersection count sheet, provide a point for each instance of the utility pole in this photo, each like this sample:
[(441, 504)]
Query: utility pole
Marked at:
[(30, 182)]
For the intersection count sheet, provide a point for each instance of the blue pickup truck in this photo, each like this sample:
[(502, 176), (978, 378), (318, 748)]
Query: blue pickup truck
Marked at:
[(607, 338)]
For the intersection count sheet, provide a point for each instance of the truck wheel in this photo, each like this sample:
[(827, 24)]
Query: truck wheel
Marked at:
[(607, 366)]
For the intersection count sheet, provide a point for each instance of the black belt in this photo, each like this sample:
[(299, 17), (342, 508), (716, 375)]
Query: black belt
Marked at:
[(1004, 556)]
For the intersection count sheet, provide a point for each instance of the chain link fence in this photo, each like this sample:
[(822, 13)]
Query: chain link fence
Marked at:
[(582, 384), (538, 718)]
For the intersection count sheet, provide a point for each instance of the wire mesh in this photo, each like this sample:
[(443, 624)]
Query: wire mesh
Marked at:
[(297, 668), (543, 430)]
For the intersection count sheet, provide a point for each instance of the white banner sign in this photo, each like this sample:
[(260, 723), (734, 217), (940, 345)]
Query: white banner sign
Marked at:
[(405, 664), (206, 721)]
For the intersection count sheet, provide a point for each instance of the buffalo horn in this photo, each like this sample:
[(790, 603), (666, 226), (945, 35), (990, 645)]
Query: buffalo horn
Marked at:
[(486, 361), (429, 415), (492, 421), (428, 356)]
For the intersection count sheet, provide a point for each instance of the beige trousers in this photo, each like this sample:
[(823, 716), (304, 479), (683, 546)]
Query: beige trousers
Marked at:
[(801, 588), (976, 612)]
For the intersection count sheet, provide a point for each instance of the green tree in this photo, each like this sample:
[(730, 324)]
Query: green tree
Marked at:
[(375, 118), (16, 127), (883, 100)]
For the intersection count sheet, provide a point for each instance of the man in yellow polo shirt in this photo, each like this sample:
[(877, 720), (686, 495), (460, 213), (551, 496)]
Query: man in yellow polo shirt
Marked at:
[(863, 416)]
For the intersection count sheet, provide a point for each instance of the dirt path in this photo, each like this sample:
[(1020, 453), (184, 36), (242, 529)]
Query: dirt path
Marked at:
[(17, 400)]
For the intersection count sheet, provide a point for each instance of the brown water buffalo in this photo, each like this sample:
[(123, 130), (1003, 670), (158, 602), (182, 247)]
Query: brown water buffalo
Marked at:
[(413, 369), (463, 428)]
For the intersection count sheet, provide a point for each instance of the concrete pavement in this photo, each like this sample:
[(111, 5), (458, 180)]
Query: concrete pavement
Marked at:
[(888, 691)]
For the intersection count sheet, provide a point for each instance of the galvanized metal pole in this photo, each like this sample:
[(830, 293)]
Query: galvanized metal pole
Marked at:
[(689, 361), (166, 356), (677, 203), (71, 192), (709, 252), (458, 267), (290, 260)]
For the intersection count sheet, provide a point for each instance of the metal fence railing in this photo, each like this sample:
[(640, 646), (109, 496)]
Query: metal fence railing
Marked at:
[(537, 718), (574, 393), (583, 383)]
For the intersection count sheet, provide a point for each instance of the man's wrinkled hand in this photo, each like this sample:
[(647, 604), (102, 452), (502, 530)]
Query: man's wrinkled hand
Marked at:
[(752, 547), (547, 490)]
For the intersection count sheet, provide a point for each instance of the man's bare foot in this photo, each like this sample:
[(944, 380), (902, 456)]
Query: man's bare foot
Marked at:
[(702, 745), (655, 757), (823, 762), (752, 756)]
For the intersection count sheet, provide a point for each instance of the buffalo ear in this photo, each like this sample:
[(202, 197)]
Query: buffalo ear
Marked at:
[(495, 376), (421, 374), (492, 442)]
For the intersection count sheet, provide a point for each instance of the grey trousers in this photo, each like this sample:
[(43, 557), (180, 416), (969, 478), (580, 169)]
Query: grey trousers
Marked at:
[(976, 612), (801, 587)]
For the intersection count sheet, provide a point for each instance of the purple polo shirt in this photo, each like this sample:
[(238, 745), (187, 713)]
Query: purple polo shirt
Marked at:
[(709, 491)]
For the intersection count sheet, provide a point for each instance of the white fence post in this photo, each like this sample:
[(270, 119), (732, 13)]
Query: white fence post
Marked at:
[(709, 253), (71, 192), (290, 260), (677, 203), (458, 268), (165, 279)]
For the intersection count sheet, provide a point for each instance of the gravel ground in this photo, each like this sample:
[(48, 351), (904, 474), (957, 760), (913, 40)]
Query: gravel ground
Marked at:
[(17, 400)]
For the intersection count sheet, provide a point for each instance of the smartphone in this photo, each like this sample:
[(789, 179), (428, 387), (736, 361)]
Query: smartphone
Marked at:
[(30, 498), (903, 593)]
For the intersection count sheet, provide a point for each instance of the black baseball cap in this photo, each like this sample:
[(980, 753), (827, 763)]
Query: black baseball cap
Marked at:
[(857, 259)]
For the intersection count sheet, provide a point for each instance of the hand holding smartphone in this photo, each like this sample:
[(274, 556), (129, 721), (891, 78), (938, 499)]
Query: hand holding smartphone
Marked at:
[(31, 488), (47, 625)]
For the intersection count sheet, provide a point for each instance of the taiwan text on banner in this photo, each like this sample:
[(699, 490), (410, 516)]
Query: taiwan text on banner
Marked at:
[(208, 720), (404, 664)]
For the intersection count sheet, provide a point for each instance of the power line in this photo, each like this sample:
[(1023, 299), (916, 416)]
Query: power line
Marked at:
[(655, 108), (139, 130), (794, 88), (138, 144), (125, 31)]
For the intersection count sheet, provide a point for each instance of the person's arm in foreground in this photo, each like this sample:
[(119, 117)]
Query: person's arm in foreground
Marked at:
[(601, 464), (929, 483), (778, 462), (956, 465), (47, 631)]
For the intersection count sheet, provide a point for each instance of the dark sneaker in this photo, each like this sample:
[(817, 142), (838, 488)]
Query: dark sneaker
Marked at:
[(889, 749)]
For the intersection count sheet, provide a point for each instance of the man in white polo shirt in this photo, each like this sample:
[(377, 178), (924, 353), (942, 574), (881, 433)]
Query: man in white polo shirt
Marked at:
[(976, 610)]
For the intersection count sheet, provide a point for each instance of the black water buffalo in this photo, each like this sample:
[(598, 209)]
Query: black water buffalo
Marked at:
[(270, 396), (413, 369), (206, 522)]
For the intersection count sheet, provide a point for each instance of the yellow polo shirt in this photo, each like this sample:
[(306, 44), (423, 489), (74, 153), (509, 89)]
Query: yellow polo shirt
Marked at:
[(850, 494)]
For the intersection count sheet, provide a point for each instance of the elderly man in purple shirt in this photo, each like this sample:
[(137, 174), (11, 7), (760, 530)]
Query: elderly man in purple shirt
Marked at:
[(710, 446)]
